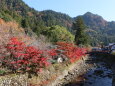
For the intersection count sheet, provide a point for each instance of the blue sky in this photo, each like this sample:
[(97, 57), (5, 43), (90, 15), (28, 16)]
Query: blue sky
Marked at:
[(105, 8)]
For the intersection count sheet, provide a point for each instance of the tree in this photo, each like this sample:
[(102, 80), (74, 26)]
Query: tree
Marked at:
[(80, 36), (24, 23), (58, 33)]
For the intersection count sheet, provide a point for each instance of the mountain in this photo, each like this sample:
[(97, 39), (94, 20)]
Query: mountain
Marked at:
[(94, 21), (21, 12), (56, 18), (38, 22), (98, 28)]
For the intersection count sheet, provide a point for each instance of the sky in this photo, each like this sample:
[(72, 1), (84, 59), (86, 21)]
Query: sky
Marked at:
[(104, 8)]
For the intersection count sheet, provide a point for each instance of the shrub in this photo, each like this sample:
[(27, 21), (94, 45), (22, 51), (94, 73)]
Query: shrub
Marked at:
[(2, 72), (18, 56), (71, 51)]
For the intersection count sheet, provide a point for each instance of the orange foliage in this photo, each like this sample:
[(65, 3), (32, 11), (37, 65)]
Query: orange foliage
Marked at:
[(1, 21), (12, 29)]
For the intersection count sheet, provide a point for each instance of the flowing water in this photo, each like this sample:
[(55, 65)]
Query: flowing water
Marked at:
[(99, 75)]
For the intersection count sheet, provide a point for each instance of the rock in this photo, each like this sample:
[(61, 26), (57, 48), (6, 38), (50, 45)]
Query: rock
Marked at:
[(98, 72), (89, 75), (59, 60)]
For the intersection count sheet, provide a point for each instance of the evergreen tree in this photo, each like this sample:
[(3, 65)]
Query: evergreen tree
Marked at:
[(80, 36), (24, 23)]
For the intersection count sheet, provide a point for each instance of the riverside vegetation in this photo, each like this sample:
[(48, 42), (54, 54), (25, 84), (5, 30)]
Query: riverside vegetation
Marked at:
[(34, 44), (21, 54), (25, 55)]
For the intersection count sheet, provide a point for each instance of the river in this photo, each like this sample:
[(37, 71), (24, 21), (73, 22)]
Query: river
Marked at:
[(99, 75)]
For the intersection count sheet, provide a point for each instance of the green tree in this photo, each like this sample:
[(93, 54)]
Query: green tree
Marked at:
[(58, 33), (24, 23), (80, 36)]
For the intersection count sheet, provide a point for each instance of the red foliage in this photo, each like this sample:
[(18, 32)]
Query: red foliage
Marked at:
[(52, 52), (71, 51), (18, 56)]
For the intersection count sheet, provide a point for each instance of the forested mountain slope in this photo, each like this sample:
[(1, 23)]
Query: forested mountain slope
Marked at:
[(97, 27), (100, 30)]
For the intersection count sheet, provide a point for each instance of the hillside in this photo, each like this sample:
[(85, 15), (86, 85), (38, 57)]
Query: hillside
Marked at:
[(12, 29), (22, 13), (56, 18), (94, 21), (98, 28)]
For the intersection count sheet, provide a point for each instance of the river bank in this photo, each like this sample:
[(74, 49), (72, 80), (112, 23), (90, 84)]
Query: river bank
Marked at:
[(88, 71), (100, 74), (55, 75), (79, 68), (109, 59)]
